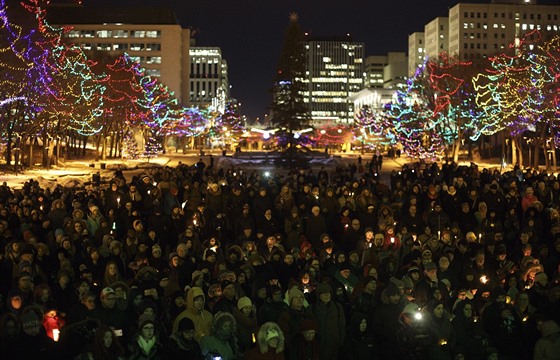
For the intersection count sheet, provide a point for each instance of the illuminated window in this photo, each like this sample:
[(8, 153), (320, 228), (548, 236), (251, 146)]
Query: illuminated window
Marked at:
[(153, 72), (153, 47), (120, 33), (138, 33), (120, 46), (137, 47), (104, 46), (153, 34), (73, 34), (104, 33)]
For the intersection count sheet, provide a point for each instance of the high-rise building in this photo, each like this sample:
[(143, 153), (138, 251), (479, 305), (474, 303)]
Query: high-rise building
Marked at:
[(385, 71), (151, 36), (416, 52), (209, 84), (477, 31), (374, 66), (436, 38), (335, 71)]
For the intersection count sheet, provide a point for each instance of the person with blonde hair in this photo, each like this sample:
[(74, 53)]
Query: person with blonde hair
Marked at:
[(270, 343)]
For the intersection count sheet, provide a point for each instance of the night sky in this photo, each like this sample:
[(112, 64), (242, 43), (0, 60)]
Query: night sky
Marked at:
[(250, 32)]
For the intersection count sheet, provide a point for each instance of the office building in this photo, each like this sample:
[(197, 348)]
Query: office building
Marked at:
[(209, 85), (151, 36), (335, 71), (477, 31)]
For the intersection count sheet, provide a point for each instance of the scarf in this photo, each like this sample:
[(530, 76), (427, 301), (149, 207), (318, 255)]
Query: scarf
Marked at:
[(146, 346)]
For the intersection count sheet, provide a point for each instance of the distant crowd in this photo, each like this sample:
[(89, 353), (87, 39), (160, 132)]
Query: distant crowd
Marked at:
[(197, 262)]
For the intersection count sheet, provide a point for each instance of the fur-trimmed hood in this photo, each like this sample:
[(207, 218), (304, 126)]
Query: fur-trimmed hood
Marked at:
[(262, 334)]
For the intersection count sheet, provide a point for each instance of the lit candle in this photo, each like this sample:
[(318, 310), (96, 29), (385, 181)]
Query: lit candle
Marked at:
[(55, 334), (479, 237), (118, 200), (439, 235), (392, 240)]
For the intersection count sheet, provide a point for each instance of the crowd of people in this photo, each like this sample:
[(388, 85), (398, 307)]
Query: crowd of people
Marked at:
[(439, 262)]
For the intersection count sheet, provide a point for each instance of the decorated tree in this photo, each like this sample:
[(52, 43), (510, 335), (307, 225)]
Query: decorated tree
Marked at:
[(518, 93), (373, 128), (412, 118), (288, 110), (455, 114), (230, 124), (153, 147)]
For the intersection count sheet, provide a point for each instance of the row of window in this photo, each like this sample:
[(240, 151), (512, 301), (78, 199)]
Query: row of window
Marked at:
[(121, 47), (525, 16), (203, 90), (204, 69), (114, 33), (147, 59), (481, 36)]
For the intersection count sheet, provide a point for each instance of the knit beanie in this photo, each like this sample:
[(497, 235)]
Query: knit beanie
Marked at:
[(243, 302), (323, 288), (392, 289), (29, 319), (294, 291), (185, 324)]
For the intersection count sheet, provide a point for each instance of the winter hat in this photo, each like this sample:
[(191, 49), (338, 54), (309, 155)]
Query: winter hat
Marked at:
[(271, 334), (430, 266), (392, 289), (30, 319), (145, 320), (323, 288), (58, 232), (408, 284), (308, 324), (368, 229), (344, 266), (146, 304), (500, 250), (410, 309), (182, 246), (294, 291), (426, 252), (156, 247), (541, 278), (549, 327), (413, 269), (185, 324), (224, 284), (172, 255), (197, 274), (243, 302), (397, 282), (106, 292)]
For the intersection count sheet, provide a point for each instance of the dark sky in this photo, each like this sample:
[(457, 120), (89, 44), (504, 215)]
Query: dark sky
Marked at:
[(250, 32)]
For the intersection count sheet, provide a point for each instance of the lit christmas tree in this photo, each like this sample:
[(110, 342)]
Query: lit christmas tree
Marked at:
[(153, 147), (289, 112), (130, 147)]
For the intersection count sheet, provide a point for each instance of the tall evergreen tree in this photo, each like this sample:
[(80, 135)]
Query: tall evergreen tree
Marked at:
[(288, 110)]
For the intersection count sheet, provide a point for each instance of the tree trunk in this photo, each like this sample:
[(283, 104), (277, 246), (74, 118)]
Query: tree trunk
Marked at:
[(516, 151), (456, 148)]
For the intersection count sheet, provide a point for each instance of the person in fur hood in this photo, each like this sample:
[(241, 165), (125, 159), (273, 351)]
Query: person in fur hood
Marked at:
[(222, 341), (270, 344)]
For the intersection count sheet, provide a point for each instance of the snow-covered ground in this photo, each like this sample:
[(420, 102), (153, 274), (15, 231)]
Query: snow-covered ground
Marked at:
[(75, 173)]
